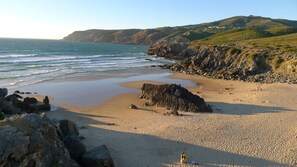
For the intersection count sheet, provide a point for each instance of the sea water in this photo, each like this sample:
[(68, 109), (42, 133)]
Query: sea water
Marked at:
[(28, 61)]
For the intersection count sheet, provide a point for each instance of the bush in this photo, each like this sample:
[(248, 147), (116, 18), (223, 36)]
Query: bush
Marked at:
[(1, 116), (234, 51)]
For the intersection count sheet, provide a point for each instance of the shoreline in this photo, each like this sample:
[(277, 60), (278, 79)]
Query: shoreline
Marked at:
[(250, 126)]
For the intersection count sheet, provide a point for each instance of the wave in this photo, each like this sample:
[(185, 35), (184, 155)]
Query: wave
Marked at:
[(12, 74), (17, 55)]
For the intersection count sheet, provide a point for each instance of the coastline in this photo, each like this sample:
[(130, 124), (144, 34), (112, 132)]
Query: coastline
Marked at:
[(250, 126)]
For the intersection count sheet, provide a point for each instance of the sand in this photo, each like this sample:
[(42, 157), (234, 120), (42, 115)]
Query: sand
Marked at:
[(252, 125)]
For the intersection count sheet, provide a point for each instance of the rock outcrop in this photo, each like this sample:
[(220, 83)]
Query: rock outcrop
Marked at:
[(174, 97), (16, 104), (31, 140), (229, 62)]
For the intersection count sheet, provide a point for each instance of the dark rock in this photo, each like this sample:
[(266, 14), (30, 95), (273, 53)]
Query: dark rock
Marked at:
[(3, 92), (68, 128), (98, 157), (14, 98), (46, 100), (28, 93), (132, 106), (31, 140), (5, 104), (43, 107), (31, 120), (30, 100), (174, 113), (174, 97), (75, 147)]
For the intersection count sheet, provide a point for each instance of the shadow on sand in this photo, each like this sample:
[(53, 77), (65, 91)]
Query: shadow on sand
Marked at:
[(135, 150), (244, 109)]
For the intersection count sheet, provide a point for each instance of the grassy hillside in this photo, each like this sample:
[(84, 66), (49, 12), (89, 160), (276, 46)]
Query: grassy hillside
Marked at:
[(226, 30)]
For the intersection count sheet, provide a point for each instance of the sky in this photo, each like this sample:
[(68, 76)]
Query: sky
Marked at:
[(54, 19)]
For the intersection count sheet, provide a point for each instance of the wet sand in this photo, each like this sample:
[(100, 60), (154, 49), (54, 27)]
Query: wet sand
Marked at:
[(252, 125)]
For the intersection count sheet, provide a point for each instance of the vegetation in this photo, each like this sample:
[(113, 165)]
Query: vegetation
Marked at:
[(1, 116), (228, 30)]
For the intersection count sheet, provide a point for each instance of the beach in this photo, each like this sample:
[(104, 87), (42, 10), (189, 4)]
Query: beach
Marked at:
[(252, 124)]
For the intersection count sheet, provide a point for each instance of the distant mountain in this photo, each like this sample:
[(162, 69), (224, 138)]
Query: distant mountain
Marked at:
[(226, 30)]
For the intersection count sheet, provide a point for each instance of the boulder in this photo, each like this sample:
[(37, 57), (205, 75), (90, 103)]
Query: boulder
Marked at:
[(46, 100), (31, 120), (30, 100), (43, 107), (98, 157), (31, 140), (132, 106), (75, 147), (3, 92), (5, 104), (68, 128), (174, 97), (14, 98)]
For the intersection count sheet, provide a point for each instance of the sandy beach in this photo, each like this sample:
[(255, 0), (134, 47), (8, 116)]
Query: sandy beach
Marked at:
[(253, 124)]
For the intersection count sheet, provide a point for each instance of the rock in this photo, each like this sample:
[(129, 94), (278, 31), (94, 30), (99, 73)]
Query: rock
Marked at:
[(98, 157), (174, 113), (5, 104), (43, 107), (30, 100), (46, 100), (31, 120), (31, 140), (14, 98), (75, 147), (3, 92), (174, 97), (68, 128), (17, 91), (132, 106)]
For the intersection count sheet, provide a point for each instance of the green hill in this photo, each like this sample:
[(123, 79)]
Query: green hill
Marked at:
[(226, 30)]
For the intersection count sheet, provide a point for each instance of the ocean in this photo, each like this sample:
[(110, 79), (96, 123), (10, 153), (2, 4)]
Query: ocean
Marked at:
[(27, 61)]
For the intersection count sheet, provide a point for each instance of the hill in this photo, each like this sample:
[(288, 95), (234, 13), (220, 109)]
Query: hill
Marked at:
[(239, 28)]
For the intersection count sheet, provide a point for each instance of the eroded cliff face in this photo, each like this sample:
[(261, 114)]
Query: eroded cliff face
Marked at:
[(229, 62)]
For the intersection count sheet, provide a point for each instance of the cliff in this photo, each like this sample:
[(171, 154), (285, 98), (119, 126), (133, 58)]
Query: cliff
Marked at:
[(250, 60)]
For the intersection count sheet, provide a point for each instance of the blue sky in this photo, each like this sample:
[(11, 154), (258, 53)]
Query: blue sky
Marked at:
[(54, 19)]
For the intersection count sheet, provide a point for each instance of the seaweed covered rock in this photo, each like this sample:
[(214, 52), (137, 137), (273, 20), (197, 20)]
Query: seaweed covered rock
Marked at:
[(174, 97)]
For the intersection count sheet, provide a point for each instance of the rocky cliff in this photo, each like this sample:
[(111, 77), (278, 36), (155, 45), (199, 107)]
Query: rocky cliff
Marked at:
[(236, 62)]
